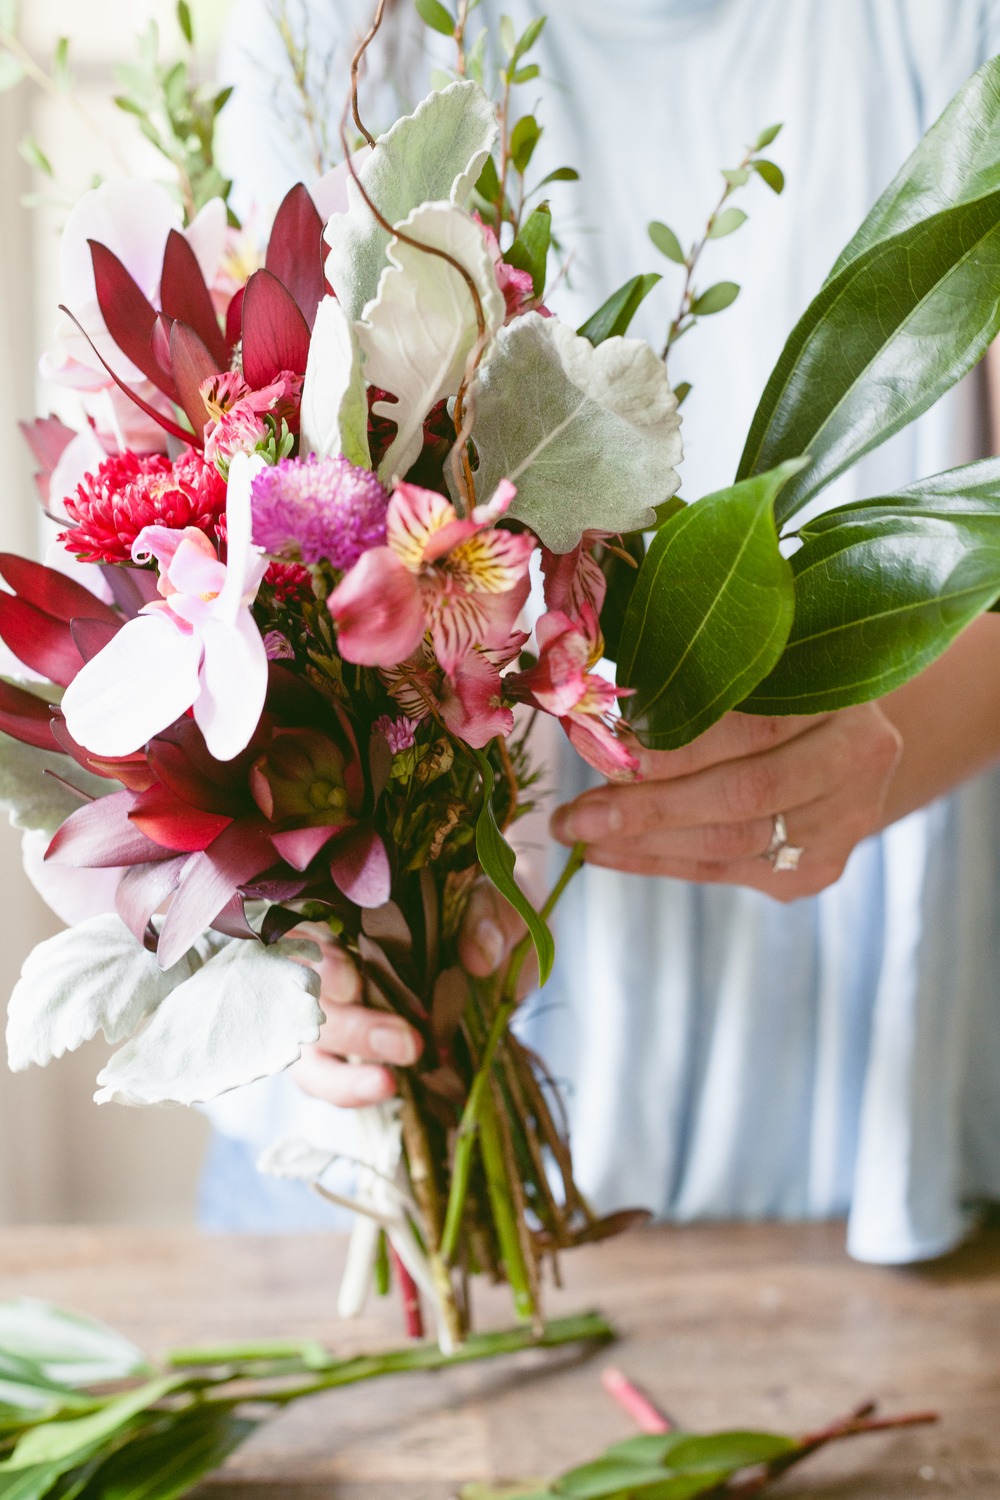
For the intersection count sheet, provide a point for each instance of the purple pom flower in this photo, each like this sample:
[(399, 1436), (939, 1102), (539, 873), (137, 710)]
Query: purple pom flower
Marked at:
[(318, 510)]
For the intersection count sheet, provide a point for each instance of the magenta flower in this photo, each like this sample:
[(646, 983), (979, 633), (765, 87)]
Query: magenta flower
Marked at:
[(461, 580), (318, 510)]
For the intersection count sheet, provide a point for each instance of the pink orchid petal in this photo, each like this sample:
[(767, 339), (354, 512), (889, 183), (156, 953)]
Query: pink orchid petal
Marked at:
[(378, 611), (300, 846), (195, 568), (245, 563), (144, 679), (360, 868), (232, 685)]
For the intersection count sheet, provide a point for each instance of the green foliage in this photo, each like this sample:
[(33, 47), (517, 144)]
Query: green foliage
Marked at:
[(530, 249), (497, 860), (726, 222), (612, 319), (710, 612), (716, 299), (524, 138), (35, 785), (666, 242), (770, 173), (436, 16), (766, 137)]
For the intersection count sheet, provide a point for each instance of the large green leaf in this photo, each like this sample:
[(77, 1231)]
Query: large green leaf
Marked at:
[(66, 1347), (168, 1460), (894, 330), (77, 1436), (883, 588), (709, 614), (497, 859), (957, 160)]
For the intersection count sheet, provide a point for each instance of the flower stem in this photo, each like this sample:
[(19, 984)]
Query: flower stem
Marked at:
[(506, 1220)]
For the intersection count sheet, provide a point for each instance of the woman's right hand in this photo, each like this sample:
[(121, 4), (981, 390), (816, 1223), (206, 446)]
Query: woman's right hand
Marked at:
[(351, 1064)]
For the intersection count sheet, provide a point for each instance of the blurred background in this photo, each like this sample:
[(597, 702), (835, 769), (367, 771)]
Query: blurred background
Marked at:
[(61, 1157)]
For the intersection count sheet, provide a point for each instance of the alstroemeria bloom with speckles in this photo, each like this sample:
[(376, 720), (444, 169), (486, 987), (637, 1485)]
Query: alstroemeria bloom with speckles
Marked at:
[(197, 647), (460, 579)]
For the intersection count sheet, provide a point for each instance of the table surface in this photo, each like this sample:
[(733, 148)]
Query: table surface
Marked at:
[(727, 1326)]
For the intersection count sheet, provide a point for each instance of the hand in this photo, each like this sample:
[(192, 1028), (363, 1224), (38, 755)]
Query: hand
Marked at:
[(351, 1064), (706, 812)]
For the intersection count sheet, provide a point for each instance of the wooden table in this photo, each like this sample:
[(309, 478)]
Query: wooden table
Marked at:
[(768, 1326)]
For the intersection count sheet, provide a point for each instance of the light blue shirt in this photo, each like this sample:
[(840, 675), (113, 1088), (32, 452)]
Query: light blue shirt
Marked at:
[(724, 1055)]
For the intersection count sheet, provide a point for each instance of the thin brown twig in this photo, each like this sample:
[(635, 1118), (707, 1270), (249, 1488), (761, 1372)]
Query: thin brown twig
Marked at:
[(459, 34), (363, 46), (691, 263)]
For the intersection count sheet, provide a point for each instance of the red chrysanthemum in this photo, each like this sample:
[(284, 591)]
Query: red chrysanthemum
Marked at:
[(290, 581), (130, 491)]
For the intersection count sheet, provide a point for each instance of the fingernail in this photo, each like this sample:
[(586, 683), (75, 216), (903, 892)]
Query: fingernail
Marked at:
[(489, 940), (393, 1045), (591, 821), (370, 1084)]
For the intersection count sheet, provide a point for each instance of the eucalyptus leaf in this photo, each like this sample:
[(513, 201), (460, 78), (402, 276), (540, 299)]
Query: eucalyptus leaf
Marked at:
[(67, 1347), (434, 15), (884, 339), (420, 329), (497, 859), (716, 299), (612, 318), (881, 590), (589, 436), (710, 612), (30, 792), (334, 413), (91, 977), (435, 154), (245, 1014)]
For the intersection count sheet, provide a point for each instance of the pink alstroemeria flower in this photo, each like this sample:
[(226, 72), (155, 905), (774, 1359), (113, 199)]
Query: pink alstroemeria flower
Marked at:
[(461, 580), (196, 647), (562, 684)]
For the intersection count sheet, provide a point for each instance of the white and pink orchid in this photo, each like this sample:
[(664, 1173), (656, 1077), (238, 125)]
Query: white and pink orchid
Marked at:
[(461, 580), (196, 647)]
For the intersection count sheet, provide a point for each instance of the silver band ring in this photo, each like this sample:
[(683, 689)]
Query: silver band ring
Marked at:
[(780, 854)]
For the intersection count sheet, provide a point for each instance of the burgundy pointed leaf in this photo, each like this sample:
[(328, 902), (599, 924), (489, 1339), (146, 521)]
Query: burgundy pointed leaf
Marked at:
[(26, 718), (100, 836), (234, 318), (184, 296), (131, 588), (166, 423), (278, 923), (91, 636), (359, 865), (38, 640), (173, 823), (181, 761), (209, 882), (192, 363), (160, 342), (128, 315), (232, 920), (295, 250), (275, 334), (52, 592), (48, 439), (131, 770), (143, 890)]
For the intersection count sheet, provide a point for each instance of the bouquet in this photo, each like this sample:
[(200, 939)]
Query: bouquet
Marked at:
[(280, 679)]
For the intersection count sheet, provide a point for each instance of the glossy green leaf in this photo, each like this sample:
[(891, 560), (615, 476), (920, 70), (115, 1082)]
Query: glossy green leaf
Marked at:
[(57, 1441), (647, 1447), (727, 222), (612, 319), (530, 250), (710, 613), (497, 859), (729, 1450), (523, 140), (666, 242), (716, 299), (605, 1476), (771, 174), (882, 341), (621, 578), (957, 161), (434, 15), (166, 1462), (883, 588)]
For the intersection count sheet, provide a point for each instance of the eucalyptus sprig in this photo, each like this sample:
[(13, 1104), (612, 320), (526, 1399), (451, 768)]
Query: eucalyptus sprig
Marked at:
[(724, 219)]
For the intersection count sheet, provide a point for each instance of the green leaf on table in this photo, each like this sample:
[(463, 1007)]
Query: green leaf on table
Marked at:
[(167, 1460), (770, 173), (434, 15), (727, 221), (610, 1479), (882, 588), (334, 414), (647, 1447), (434, 155), (418, 332), (666, 242), (716, 299), (957, 161), (612, 318), (245, 1014), (55, 1442), (710, 613), (728, 1450), (497, 859), (530, 250), (67, 1347), (589, 436)]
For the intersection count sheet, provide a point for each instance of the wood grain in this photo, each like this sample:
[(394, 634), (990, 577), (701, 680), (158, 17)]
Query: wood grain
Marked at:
[(738, 1325)]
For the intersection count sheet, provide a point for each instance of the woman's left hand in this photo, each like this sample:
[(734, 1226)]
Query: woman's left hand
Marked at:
[(707, 812)]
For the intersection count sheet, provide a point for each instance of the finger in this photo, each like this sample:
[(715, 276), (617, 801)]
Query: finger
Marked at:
[(340, 981), (490, 929), (733, 737), (354, 1031), (798, 771), (705, 841), (348, 1085)]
